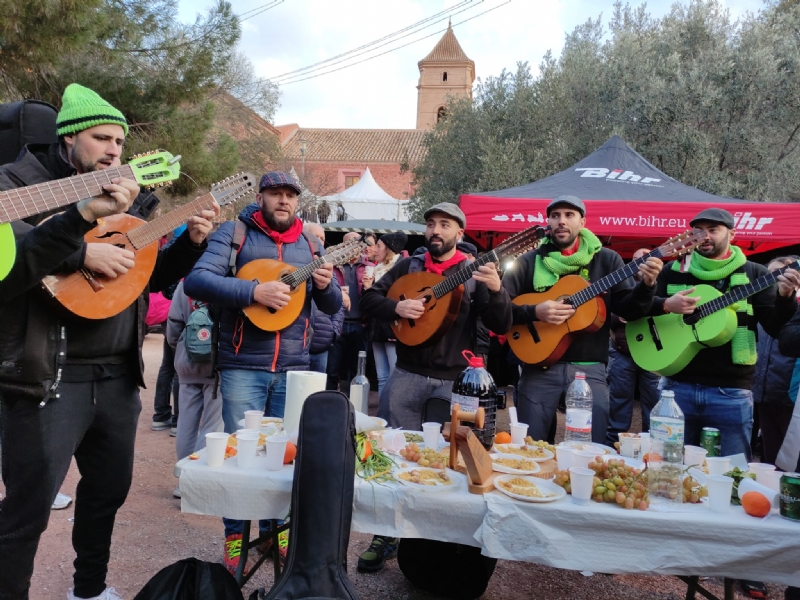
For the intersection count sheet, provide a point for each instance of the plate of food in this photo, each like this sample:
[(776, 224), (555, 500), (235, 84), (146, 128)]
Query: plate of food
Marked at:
[(428, 480), (598, 449), (536, 453), (516, 465), (529, 489), (265, 422)]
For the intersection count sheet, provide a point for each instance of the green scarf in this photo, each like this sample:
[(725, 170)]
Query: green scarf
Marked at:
[(549, 268), (743, 345)]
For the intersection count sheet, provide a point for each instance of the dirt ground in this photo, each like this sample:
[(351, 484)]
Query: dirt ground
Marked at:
[(152, 533)]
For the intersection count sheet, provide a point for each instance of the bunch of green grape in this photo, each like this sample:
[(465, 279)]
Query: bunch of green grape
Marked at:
[(615, 482)]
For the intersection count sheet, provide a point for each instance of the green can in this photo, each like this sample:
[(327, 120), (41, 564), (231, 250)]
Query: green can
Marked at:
[(710, 440), (790, 496)]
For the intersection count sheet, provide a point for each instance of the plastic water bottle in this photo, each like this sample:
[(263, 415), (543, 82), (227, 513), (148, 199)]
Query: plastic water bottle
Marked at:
[(579, 411), (475, 389), (665, 460), (359, 387)]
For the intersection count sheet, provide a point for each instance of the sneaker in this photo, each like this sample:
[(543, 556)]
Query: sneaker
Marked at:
[(380, 550), (753, 589), (160, 425), (176, 493), (233, 551), (108, 594), (283, 547), (61, 501), (173, 431)]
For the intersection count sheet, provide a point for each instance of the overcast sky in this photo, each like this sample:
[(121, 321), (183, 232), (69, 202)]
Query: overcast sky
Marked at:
[(381, 93)]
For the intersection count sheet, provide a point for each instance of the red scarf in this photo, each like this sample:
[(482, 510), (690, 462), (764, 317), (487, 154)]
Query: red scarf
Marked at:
[(440, 267), (290, 236)]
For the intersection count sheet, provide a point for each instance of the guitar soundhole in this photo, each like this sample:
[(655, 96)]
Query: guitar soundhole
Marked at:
[(515, 335), (109, 234), (639, 337), (271, 310)]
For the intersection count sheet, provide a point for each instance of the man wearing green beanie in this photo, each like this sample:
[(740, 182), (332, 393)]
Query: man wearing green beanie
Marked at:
[(70, 386)]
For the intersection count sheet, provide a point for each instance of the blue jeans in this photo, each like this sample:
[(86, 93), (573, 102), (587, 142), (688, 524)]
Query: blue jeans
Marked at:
[(623, 375), (243, 390), (728, 409), (385, 354), (319, 362)]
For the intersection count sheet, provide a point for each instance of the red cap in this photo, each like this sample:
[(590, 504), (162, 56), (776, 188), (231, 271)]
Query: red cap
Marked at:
[(474, 361)]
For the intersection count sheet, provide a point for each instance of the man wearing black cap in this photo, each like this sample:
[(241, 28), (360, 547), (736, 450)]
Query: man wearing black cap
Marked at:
[(426, 371), (572, 249), (713, 390)]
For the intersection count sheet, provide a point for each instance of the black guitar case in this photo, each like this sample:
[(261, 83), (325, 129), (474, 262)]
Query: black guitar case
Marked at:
[(322, 503), (25, 122)]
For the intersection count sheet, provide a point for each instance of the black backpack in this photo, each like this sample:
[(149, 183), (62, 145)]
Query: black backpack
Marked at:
[(25, 122), (191, 579)]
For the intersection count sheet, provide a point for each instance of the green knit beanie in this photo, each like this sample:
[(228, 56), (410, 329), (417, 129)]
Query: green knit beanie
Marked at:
[(81, 108)]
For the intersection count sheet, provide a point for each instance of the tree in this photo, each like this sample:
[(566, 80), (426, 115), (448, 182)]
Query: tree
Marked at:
[(711, 102)]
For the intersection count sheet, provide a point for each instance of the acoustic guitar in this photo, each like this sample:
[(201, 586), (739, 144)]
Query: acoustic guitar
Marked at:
[(92, 296), (442, 295), (540, 343), (667, 343), (151, 169), (266, 269)]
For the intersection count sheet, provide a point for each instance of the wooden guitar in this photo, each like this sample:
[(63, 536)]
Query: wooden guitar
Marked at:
[(266, 269), (149, 170), (540, 343), (442, 295), (93, 296), (667, 343)]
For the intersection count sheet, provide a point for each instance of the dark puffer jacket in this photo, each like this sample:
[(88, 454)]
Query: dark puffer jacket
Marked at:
[(776, 377), (327, 329), (285, 350)]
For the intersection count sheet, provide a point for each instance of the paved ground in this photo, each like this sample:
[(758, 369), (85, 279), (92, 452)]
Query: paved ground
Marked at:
[(152, 533)]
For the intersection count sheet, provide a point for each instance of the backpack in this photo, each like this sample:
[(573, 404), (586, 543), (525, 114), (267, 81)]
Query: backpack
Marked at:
[(191, 579), (198, 336), (25, 122)]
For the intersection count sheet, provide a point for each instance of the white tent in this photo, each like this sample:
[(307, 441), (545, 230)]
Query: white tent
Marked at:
[(367, 200)]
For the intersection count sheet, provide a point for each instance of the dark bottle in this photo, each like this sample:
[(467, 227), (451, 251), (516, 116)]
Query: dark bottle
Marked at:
[(475, 388)]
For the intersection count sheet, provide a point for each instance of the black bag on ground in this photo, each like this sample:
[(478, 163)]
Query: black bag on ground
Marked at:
[(191, 579), (322, 503), (445, 569), (25, 122)]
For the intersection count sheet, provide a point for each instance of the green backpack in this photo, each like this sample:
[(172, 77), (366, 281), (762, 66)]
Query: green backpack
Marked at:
[(198, 335)]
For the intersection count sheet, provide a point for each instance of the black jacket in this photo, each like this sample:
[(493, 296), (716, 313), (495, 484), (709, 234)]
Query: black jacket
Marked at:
[(33, 336), (789, 339), (627, 299), (442, 359)]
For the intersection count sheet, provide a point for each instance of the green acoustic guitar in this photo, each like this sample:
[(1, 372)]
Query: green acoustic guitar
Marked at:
[(667, 343), (149, 170)]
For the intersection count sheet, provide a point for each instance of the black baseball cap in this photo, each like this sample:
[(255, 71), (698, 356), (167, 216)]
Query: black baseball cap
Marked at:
[(572, 201), (714, 215)]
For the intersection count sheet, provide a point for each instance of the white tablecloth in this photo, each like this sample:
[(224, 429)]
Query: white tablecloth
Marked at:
[(599, 537)]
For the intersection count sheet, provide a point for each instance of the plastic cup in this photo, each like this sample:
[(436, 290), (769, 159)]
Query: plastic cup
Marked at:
[(582, 458), (758, 468), (694, 456), (276, 449), (430, 434), (518, 433), (252, 419), (718, 465), (369, 271), (246, 450), (770, 479), (246, 431), (748, 485), (392, 440), (216, 443), (564, 457), (645, 437), (719, 492), (581, 482)]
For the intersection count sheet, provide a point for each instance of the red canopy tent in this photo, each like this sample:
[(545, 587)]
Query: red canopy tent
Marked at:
[(629, 204)]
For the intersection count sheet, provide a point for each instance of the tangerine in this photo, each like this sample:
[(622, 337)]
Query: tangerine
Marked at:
[(502, 438), (291, 452), (756, 504)]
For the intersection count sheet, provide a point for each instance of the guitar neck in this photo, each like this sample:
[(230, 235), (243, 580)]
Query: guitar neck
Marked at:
[(739, 292), (304, 273), (610, 280), (150, 232), (462, 275), (32, 200)]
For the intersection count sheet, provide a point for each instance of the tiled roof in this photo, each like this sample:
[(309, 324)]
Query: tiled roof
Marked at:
[(237, 119), (447, 50), (357, 145)]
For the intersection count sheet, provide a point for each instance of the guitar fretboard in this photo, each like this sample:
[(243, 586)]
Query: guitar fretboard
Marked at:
[(36, 199), (302, 274), (150, 232), (738, 292), (609, 281)]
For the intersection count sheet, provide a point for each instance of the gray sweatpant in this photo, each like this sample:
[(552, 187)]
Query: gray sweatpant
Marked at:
[(539, 391), (405, 394), (199, 415)]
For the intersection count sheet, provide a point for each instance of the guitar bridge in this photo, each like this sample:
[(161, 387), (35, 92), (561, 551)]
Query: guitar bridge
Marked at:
[(651, 324), (534, 333), (93, 282)]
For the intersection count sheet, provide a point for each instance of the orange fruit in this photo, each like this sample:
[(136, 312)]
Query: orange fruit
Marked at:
[(502, 438), (291, 452), (756, 504)]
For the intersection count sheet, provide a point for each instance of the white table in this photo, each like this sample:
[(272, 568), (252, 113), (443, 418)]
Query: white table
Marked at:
[(599, 537)]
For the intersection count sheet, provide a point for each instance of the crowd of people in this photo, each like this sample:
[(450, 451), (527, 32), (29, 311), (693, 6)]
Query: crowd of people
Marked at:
[(70, 386)]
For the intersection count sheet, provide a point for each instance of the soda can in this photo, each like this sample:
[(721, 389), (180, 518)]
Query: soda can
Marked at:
[(790, 496), (710, 440)]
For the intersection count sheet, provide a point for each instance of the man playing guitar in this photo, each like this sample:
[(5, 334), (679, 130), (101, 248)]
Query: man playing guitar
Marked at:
[(571, 249)]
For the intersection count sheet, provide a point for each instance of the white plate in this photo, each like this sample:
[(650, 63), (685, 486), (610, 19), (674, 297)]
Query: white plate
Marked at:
[(543, 485), (430, 488), (499, 449), (505, 469), (631, 462)]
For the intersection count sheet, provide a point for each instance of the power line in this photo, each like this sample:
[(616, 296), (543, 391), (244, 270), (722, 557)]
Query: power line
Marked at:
[(258, 10), (372, 43), (397, 48)]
